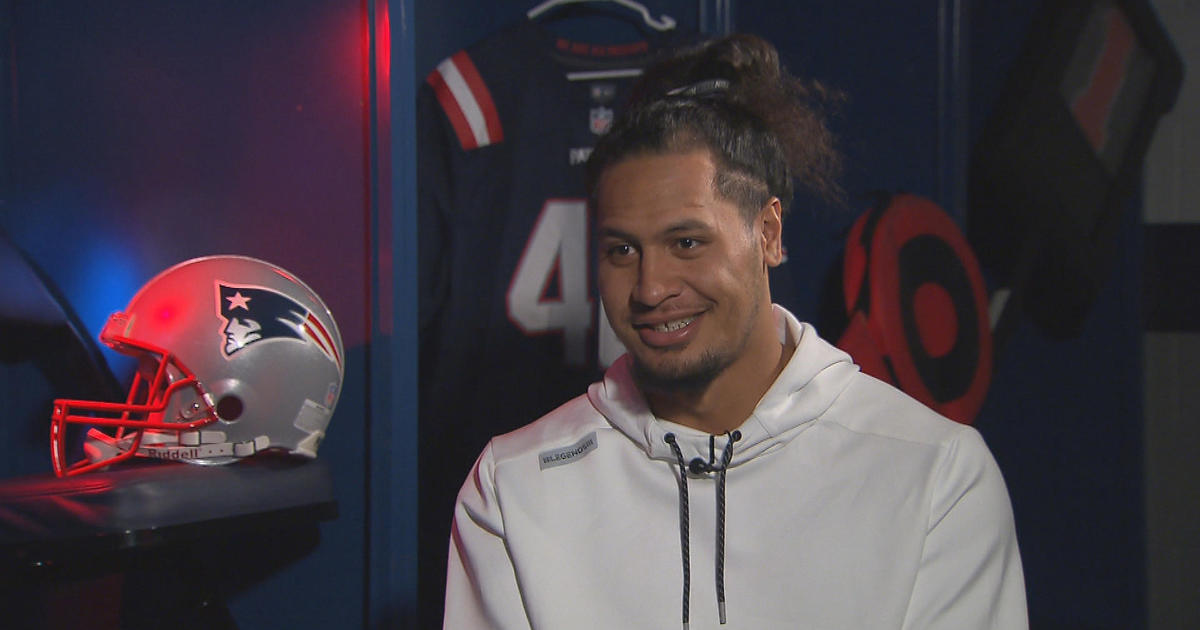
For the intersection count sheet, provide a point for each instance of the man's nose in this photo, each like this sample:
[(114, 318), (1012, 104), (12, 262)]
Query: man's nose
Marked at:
[(657, 281)]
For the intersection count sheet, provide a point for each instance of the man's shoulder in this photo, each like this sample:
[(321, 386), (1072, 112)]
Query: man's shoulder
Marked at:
[(886, 420), (570, 422), (872, 407)]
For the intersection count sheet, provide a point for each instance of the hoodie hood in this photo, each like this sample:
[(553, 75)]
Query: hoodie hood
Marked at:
[(813, 378)]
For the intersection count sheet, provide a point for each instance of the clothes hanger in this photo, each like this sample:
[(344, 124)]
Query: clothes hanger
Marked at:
[(663, 23)]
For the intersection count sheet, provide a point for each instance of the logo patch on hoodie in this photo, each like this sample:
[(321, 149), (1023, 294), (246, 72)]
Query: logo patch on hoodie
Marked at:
[(567, 454)]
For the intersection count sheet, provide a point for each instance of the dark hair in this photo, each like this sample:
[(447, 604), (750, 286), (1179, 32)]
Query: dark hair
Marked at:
[(731, 96)]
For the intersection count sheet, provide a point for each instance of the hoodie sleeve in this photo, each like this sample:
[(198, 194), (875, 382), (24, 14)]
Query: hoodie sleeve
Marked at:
[(481, 584), (970, 573)]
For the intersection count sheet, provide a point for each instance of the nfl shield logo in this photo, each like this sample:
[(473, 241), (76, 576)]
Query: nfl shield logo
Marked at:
[(600, 120)]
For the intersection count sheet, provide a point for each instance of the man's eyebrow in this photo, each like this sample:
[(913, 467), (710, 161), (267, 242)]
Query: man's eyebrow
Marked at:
[(686, 225), (609, 232)]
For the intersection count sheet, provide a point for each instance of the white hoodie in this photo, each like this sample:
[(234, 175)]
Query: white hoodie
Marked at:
[(848, 505)]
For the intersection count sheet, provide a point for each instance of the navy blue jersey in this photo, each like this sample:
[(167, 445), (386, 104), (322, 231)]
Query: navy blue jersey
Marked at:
[(510, 323), (507, 302)]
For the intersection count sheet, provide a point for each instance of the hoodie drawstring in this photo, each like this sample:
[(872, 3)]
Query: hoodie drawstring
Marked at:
[(699, 466), (683, 525)]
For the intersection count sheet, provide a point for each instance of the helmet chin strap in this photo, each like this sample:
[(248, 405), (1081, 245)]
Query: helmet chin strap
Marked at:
[(197, 446)]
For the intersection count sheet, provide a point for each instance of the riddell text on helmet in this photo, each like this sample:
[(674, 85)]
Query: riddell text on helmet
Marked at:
[(178, 453)]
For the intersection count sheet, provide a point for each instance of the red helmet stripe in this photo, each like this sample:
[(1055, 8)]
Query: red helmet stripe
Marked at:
[(323, 339)]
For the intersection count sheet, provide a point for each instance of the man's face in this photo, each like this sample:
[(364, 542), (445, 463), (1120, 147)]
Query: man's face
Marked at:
[(682, 272)]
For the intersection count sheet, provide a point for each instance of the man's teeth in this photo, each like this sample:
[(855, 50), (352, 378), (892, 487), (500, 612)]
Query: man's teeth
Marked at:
[(675, 325)]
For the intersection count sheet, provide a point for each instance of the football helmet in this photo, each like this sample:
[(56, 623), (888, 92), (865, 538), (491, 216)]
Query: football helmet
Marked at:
[(234, 356)]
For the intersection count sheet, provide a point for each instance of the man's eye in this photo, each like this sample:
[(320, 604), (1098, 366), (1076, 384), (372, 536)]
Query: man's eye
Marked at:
[(619, 251), (688, 243)]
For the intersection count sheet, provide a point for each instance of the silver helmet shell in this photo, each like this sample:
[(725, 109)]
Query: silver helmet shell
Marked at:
[(235, 356)]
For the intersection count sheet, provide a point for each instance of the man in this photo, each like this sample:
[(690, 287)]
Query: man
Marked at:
[(730, 444)]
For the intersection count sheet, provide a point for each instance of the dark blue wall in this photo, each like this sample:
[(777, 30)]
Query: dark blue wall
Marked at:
[(1064, 416), (144, 133)]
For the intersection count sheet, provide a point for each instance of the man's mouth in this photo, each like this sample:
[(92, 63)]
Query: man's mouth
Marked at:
[(672, 325)]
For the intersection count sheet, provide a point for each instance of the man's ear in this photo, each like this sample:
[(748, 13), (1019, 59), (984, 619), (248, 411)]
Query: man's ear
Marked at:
[(770, 231)]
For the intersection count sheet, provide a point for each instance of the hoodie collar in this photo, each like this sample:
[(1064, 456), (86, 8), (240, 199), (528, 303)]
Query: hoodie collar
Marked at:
[(810, 382)]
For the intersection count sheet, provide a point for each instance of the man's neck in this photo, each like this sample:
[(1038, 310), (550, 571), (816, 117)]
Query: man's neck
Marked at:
[(729, 399)]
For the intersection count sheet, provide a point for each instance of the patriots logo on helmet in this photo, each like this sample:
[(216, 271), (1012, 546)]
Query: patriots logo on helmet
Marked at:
[(254, 314)]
